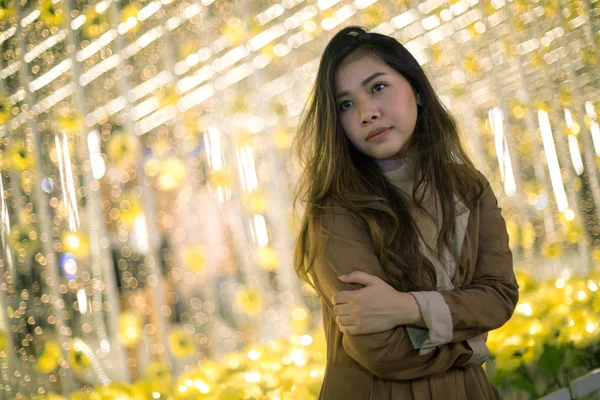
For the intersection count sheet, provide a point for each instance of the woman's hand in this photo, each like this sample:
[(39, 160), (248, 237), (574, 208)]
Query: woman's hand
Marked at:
[(375, 308)]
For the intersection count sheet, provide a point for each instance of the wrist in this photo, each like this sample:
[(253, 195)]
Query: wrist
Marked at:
[(408, 310)]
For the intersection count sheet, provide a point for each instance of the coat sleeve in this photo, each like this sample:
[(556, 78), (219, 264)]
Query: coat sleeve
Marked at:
[(491, 297), (345, 246)]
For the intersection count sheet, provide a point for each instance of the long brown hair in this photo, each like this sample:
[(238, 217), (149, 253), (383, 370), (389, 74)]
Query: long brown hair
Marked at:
[(335, 171)]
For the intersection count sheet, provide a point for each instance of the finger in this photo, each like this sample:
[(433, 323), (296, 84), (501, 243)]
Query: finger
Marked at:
[(350, 329), (341, 309), (344, 320), (341, 297), (360, 277)]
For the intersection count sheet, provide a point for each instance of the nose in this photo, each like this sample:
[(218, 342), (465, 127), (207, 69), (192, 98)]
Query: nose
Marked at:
[(369, 113)]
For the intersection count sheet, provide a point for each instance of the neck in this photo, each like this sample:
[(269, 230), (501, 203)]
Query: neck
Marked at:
[(390, 165)]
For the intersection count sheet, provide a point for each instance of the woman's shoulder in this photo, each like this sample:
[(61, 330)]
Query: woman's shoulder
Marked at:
[(469, 183)]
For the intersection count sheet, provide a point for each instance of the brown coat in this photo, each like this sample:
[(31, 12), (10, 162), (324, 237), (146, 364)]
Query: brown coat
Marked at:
[(386, 365)]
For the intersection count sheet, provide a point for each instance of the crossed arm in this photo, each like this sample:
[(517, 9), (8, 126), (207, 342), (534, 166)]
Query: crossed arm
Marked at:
[(373, 318)]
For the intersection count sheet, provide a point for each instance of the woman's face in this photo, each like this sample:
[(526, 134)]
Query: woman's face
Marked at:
[(377, 108)]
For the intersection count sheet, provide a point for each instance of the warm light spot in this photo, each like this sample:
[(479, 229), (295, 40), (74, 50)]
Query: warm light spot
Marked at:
[(253, 355), (569, 215)]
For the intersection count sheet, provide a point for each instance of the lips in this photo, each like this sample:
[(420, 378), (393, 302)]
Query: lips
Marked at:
[(375, 132)]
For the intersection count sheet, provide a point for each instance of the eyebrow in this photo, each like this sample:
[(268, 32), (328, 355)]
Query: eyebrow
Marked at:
[(363, 83)]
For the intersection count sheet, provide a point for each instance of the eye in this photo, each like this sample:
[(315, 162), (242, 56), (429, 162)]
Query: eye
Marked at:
[(378, 87), (344, 105)]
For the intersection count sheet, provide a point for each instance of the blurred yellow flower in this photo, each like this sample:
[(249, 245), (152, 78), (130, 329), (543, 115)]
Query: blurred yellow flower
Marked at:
[(24, 240), (95, 24), (5, 113), (255, 202), (17, 157), (129, 208), (182, 344), (47, 361), (250, 301), (123, 149), (222, 178), (78, 361), (172, 174), (7, 12), (267, 258), (3, 340), (551, 250), (51, 14), (195, 257), (69, 121)]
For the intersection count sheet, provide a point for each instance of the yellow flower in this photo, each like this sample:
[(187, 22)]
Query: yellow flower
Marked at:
[(157, 378), (123, 149), (255, 202), (250, 301), (129, 208), (195, 258), (222, 178), (182, 344), (5, 113), (551, 250), (18, 157), (51, 14), (506, 357), (167, 96), (47, 361), (85, 396), (69, 121), (95, 24), (7, 10), (268, 258), (78, 361), (130, 11), (130, 329), (120, 391), (3, 340), (282, 139), (24, 239)]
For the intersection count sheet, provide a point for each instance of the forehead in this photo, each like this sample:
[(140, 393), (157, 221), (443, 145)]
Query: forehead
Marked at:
[(353, 71)]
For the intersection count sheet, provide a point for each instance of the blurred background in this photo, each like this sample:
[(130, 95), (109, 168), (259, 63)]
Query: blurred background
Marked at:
[(147, 183)]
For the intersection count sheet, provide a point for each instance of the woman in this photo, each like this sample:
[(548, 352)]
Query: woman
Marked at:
[(394, 206)]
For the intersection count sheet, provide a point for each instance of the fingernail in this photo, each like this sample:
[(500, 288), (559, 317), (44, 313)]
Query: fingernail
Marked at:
[(342, 277)]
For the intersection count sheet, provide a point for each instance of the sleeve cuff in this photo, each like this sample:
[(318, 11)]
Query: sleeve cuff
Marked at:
[(437, 317), (480, 351)]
